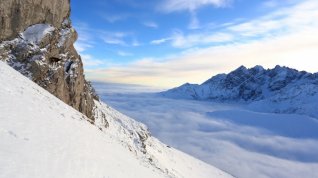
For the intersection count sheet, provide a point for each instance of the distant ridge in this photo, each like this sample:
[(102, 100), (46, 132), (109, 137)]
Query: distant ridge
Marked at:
[(279, 90)]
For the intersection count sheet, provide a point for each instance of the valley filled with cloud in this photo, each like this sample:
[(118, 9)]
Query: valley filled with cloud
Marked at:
[(228, 136)]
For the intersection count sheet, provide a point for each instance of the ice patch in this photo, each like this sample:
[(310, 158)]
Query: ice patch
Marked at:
[(35, 33)]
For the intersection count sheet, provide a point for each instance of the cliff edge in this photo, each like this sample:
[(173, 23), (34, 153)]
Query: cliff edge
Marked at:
[(36, 38)]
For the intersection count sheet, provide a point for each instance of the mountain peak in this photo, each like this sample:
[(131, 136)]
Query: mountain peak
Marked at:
[(258, 68), (241, 68), (280, 67)]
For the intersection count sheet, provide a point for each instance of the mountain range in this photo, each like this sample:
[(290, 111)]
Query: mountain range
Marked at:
[(279, 90)]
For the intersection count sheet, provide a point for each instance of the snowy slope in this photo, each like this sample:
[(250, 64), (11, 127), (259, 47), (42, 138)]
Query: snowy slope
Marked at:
[(278, 90), (40, 136)]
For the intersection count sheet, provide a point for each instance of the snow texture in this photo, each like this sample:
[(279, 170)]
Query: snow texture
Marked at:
[(40, 136)]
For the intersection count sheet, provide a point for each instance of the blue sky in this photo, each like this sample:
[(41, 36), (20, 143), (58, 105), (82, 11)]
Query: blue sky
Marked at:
[(169, 42)]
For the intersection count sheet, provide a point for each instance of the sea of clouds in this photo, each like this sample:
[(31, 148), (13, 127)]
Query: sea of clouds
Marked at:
[(228, 136)]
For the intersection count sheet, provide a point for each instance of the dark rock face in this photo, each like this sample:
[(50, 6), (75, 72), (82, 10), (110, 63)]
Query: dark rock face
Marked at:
[(236, 77), (38, 42), (282, 76)]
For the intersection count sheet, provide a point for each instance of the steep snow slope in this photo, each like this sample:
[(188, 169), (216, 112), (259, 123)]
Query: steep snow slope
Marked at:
[(279, 90), (40, 136)]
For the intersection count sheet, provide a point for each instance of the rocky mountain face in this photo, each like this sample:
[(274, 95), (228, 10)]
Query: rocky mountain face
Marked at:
[(36, 38), (16, 15), (286, 90)]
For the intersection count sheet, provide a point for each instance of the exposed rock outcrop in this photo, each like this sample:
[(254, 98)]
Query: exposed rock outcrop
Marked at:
[(16, 15), (36, 38)]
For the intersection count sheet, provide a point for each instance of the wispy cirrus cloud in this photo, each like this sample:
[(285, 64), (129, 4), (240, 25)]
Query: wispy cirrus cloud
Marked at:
[(135, 43), (270, 3), (89, 36), (85, 39), (88, 40), (194, 21), (123, 53), (126, 39), (150, 24), (195, 66), (183, 41), (179, 40), (160, 41), (115, 38), (90, 61), (114, 18), (82, 46), (285, 20), (276, 3), (190, 5)]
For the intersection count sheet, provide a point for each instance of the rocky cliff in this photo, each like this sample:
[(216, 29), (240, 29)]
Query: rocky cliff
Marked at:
[(16, 15), (36, 38)]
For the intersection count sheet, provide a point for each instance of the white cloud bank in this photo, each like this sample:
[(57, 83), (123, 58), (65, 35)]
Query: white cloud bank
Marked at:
[(224, 135)]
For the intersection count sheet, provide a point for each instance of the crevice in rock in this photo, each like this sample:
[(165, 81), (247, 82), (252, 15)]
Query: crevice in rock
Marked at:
[(54, 60), (68, 66)]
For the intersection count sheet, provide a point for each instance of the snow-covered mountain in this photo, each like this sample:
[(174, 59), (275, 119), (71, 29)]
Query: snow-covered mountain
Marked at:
[(279, 90), (41, 136)]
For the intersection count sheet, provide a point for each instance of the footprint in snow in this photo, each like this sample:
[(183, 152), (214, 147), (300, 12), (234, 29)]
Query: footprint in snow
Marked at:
[(12, 134)]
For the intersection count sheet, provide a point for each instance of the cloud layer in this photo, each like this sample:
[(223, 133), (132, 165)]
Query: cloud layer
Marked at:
[(241, 142)]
